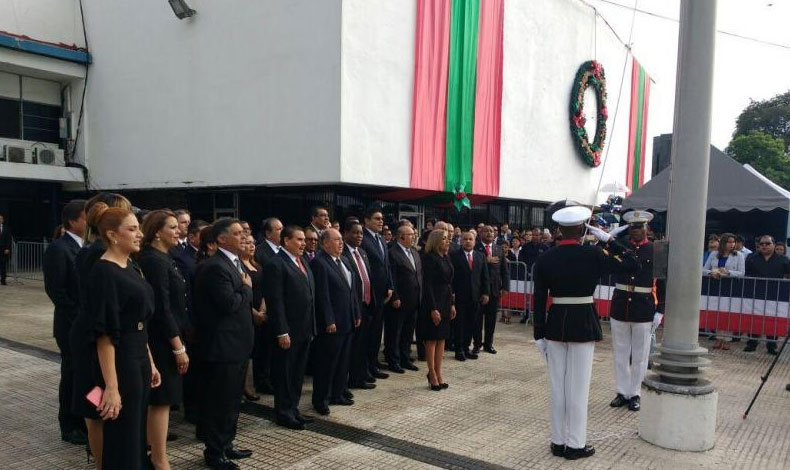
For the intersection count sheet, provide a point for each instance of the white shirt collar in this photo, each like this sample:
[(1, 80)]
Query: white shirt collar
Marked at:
[(275, 248), (230, 255), (376, 235), (290, 255), (469, 252), (406, 250), (76, 238)]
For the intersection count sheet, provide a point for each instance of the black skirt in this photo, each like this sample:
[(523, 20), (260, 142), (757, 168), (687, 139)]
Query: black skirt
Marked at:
[(170, 392)]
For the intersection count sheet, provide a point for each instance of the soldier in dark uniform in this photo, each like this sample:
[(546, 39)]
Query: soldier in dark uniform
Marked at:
[(634, 310), (570, 272)]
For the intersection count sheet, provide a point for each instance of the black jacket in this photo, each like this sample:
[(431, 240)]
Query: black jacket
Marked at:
[(470, 284), (636, 306), (406, 280), (290, 298), (335, 298), (263, 252), (574, 271), (61, 283), (379, 266), (187, 265), (170, 292), (223, 307), (5, 239), (498, 273)]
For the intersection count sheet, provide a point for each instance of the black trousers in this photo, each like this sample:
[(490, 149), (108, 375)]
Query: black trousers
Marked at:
[(358, 363), (124, 446), (466, 317), (193, 384), (3, 266), (288, 367), (398, 333), (262, 357), (223, 383), (68, 420), (332, 354), (487, 320), (374, 338)]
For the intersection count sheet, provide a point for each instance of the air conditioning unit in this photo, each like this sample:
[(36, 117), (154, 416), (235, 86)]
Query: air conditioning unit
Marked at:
[(16, 154), (50, 157)]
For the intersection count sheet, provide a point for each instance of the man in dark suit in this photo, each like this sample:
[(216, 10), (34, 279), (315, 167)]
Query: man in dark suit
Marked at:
[(337, 315), (223, 307), (289, 290), (311, 247), (61, 285), (358, 365), (319, 219), (5, 249), (381, 285), (187, 262), (184, 219), (499, 279), (472, 289), (400, 315), (271, 228)]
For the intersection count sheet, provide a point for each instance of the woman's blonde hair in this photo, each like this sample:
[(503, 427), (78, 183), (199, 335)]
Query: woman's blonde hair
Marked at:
[(434, 240)]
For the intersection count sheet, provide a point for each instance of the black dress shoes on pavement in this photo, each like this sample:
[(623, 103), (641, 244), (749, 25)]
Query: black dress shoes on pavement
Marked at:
[(460, 357), (557, 450), (76, 437), (290, 423), (323, 410), (573, 454), (618, 401), (489, 350), (379, 374), (305, 419), (633, 403), (396, 369), (237, 454), (410, 366), (221, 464), (348, 395), (470, 355), (363, 386), (475, 350), (342, 401)]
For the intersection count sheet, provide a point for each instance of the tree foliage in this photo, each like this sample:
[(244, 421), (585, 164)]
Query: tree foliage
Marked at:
[(762, 138)]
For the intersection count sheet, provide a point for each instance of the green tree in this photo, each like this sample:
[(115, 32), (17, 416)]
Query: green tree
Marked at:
[(765, 153), (770, 116)]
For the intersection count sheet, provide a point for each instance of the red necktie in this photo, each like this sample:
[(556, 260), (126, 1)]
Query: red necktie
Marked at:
[(469, 260), (488, 250), (364, 275), (301, 266)]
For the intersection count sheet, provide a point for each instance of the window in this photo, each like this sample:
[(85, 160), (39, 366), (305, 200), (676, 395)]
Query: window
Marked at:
[(30, 108)]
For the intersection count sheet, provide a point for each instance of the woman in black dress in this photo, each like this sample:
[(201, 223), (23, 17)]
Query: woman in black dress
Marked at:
[(119, 306), (160, 234), (82, 338), (437, 303), (258, 307)]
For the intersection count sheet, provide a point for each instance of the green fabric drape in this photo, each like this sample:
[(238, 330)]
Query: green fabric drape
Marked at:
[(464, 20)]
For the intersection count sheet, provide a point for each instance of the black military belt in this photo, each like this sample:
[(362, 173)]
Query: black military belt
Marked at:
[(636, 289)]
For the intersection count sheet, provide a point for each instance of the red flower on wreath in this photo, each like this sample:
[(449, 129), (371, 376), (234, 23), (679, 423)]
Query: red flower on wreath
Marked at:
[(597, 158), (605, 112), (460, 195), (596, 68), (579, 120)]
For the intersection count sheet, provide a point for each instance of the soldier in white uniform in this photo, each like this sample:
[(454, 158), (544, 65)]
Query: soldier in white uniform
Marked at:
[(569, 272)]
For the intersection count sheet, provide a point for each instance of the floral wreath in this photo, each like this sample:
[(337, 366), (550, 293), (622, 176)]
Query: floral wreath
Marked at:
[(590, 73)]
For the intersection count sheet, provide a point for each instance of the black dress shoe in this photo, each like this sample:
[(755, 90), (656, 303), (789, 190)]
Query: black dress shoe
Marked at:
[(787, 387), (410, 366), (380, 375), (490, 350), (618, 401), (362, 386), (237, 454), (444, 385), (397, 369), (323, 410), (573, 454), (305, 419), (470, 355), (341, 401), (633, 403), (76, 437), (460, 357), (221, 464), (475, 350), (348, 395), (370, 379), (557, 450), (290, 423)]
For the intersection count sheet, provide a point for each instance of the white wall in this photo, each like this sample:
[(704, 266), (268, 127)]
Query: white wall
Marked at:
[(55, 21), (244, 93)]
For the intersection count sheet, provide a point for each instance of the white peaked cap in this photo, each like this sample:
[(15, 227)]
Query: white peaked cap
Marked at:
[(571, 216)]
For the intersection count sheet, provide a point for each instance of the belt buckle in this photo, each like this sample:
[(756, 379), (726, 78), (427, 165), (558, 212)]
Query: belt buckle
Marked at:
[(630, 288)]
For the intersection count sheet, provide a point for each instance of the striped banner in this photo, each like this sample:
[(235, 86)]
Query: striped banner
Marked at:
[(637, 127), (457, 96)]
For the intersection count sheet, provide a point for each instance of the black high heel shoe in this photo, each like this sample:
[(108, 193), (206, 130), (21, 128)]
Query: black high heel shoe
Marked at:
[(435, 388), (444, 385), (88, 454)]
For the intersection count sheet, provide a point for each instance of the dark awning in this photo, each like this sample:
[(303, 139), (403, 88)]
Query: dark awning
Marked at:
[(731, 186)]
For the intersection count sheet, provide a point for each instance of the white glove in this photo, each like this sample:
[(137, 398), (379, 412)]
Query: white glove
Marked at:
[(599, 234), (542, 346), (656, 321), (614, 233)]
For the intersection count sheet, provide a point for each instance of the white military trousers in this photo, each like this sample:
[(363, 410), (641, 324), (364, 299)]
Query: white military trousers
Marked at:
[(631, 342), (570, 368)]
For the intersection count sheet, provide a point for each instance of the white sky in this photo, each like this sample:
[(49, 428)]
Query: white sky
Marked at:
[(743, 69)]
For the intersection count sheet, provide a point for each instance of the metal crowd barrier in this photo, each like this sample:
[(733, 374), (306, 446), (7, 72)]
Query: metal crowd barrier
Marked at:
[(27, 260), (519, 298)]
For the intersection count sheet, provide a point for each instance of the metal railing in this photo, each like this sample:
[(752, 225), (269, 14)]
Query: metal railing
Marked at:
[(27, 260), (519, 298)]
